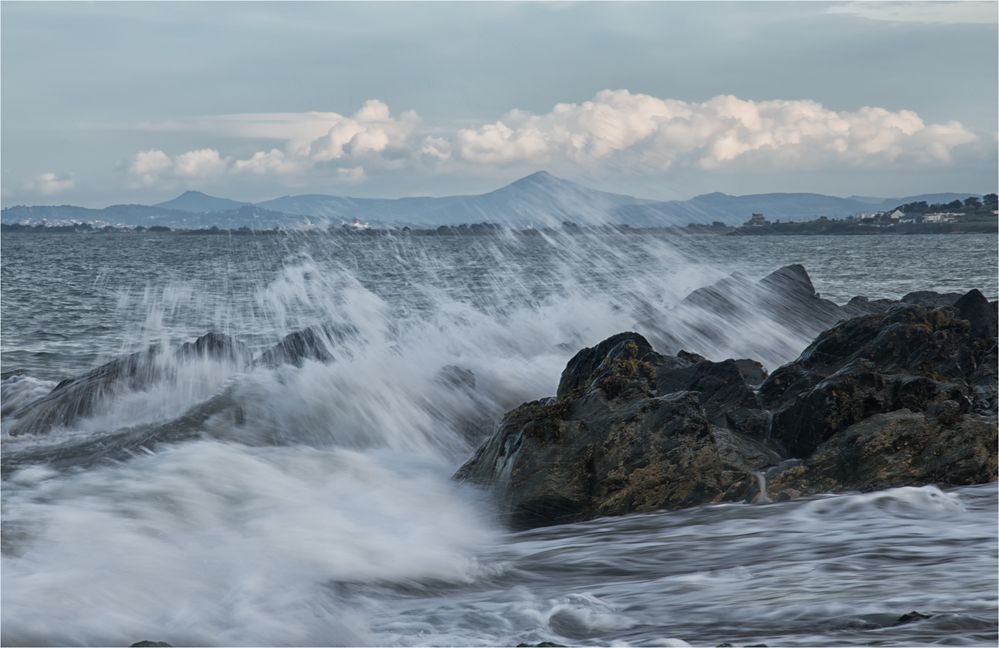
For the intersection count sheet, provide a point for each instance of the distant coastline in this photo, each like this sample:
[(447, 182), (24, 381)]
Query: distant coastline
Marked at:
[(806, 228), (537, 200)]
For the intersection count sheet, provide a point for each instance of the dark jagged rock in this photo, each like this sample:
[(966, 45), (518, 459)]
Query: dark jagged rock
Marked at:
[(76, 398), (120, 445), (864, 306), (904, 396), (550, 467), (979, 313), (900, 448), (583, 367), (785, 295), (931, 299), (313, 343), (147, 643), (542, 644), (910, 357), (613, 442), (725, 395)]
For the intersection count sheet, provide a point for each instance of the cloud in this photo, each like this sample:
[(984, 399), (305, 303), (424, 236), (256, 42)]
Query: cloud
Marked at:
[(370, 132), (201, 163), (147, 166), (639, 132), (615, 130), (932, 13), (153, 166), (49, 183), (272, 162)]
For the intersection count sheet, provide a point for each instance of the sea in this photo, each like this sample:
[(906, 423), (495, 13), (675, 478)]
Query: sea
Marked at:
[(327, 515)]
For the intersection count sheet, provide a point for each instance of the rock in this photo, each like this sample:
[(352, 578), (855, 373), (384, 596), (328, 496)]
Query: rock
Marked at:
[(752, 371), (146, 642), (785, 295), (543, 644), (584, 366), (120, 445), (613, 442), (900, 448), (864, 306), (724, 393), (911, 617), (313, 343), (76, 398), (979, 312), (549, 465), (931, 299), (902, 396), (909, 357)]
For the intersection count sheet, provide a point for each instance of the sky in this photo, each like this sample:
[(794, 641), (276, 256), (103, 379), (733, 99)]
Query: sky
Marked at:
[(104, 103)]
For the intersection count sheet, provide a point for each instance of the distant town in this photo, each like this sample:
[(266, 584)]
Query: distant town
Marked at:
[(971, 215)]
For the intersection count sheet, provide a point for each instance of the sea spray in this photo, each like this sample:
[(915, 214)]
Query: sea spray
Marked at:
[(324, 514)]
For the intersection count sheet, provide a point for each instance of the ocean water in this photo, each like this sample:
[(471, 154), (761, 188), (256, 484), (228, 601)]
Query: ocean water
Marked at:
[(326, 515)]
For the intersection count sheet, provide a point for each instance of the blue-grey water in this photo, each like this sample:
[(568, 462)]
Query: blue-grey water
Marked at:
[(328, 516)]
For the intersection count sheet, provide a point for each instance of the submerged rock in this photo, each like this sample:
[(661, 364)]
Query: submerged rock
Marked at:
[(76, 398), (931, 299), (147, 643), (313, 343), (786, 296)]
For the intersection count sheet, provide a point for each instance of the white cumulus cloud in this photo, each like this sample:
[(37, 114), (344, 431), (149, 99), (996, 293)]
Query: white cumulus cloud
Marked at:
[(147, 166), (272, 162), (615, 130), (371, 131), (154, 166), (642, 132), (201, 163)]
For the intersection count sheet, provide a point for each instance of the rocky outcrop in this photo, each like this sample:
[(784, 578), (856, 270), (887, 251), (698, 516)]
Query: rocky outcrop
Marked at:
[(76, 398), (909, 357), (739, 308), (903, 395), (786, 296), (610, 443), (313, 343), (900, 448)]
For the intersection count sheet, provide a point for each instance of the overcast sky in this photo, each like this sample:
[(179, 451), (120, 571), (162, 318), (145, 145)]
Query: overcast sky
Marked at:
[(134, 102)]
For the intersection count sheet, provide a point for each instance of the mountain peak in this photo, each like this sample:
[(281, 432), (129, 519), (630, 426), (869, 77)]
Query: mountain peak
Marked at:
[(198, 202), (540, 177)]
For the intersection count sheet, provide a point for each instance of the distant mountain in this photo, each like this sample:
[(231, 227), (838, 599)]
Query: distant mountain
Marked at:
[(539, 199), (734, 210), (196, 202)]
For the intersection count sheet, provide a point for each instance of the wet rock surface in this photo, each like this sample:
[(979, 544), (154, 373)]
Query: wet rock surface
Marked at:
[(316, 343), (910, 357), (902, 394), (76, 398), (613, 443)]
